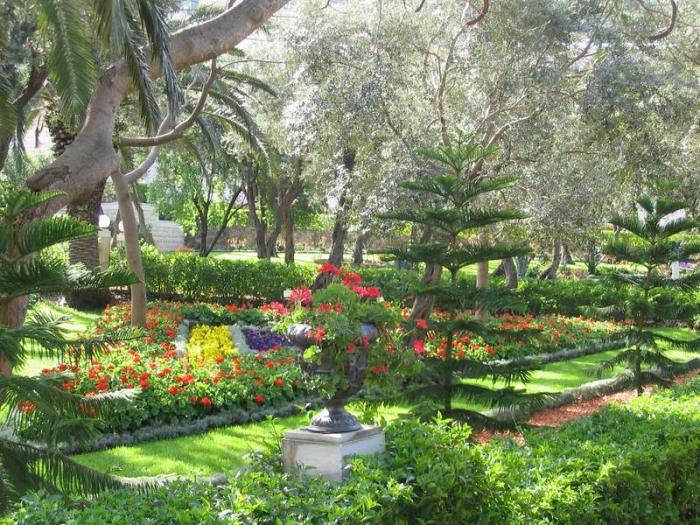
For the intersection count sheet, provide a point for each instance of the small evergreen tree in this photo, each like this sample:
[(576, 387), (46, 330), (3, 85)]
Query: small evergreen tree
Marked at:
[(649, 241), (457, 212), (40, 405)]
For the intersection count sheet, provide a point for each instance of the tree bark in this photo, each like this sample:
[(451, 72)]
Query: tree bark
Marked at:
[(482, 283), (423, 304), (566, 255), (133, 250), (288, 218), (12, 315), (551, 271), (363, 238), (510, 272), (85, 251), (143, 227), (91, 158)]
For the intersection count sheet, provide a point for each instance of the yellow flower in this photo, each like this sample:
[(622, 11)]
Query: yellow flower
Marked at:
[(207, 343)]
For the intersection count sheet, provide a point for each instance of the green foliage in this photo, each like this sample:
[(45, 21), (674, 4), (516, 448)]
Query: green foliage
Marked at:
[(456, 209), (624, 465), (654, 246), (40, 405), (186, 276)]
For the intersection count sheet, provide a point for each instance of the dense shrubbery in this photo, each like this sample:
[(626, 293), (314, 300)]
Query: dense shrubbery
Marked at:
[(188, 277), (568, 297), (625, 465)]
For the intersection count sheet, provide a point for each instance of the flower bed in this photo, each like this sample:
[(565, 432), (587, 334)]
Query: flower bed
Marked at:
[(547, 333), (172, 388)]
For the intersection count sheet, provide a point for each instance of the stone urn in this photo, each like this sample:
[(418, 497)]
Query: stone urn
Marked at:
[(334, 418)]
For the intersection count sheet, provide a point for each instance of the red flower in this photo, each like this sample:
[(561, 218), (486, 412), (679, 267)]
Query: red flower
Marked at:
[(219, 359), (174, 390), (301, 295), (27, 407), (144, 384), (351, 347), (205, 401), (276, 307), (320, 332), (419, 347), (233, 308), (352, 278), (193, 400), (259, 399), (170, 333), (422, 324), (329, 268), (279, 382)]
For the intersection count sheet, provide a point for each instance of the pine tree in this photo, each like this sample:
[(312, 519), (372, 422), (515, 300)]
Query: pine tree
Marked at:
[(457, 212), (651, 241)]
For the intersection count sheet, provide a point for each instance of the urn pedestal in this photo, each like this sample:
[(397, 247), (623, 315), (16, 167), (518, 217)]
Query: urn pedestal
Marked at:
[(324, 454)]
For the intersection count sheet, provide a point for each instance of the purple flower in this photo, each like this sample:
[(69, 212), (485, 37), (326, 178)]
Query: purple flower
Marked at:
[(262, 340)]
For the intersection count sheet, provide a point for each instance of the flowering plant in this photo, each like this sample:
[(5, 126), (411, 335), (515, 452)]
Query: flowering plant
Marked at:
[(338, 318), (209, 343)]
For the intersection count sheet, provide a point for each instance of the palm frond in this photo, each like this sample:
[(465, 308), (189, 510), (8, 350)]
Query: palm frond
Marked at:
[(248, 80), (43, 233), (25, 468), (71, 61)]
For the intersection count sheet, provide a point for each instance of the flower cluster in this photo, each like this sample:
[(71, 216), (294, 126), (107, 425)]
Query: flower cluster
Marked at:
[(520, 335), (262, 340), (210, 343), (173, 388)]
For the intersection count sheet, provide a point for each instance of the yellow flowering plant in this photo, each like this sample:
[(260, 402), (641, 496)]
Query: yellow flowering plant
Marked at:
[(210, 343)]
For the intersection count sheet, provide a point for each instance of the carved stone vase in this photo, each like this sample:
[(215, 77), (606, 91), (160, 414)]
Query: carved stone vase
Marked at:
[(334, 418)]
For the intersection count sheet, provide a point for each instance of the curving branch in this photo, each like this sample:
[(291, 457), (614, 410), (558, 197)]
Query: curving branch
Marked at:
[(179, 130), (671, 25), (141, 169), (478, 18)]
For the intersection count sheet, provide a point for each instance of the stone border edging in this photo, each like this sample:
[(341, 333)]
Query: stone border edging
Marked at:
[(593, 389), (563, 355)]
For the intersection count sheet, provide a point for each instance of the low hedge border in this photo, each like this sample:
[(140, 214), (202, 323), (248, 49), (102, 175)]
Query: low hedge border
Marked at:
[(591, 390), (200, 425), (563, 355)]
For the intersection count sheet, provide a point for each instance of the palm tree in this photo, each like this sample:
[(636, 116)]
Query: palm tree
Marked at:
[(39, 406), (58, 39)]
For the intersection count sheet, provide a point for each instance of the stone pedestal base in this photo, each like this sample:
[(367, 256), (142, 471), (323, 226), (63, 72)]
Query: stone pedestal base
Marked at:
[(324, 454)]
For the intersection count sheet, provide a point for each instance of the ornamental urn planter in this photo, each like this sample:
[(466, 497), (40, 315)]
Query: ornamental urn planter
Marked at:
[(334, 418)]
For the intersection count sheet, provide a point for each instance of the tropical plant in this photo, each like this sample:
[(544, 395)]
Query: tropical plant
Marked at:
[(650, 241), (43, 406), (457, 209)]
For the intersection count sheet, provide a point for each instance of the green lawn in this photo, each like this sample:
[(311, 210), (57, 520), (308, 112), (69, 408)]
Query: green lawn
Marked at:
[(79, 322), (222, 450)]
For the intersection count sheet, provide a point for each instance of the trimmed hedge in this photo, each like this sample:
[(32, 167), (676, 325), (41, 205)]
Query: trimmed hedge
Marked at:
[(189, 277), (625, 465)]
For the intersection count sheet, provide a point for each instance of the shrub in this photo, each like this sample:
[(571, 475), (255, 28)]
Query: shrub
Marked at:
[(624, 465), (186, 276)]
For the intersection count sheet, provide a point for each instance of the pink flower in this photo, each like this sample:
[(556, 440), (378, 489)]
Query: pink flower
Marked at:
[(419, 347), (301, 295), (422, 324), (329, 268)]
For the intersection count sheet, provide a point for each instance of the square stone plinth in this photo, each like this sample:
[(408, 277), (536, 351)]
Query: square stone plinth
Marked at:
[(325, 454)]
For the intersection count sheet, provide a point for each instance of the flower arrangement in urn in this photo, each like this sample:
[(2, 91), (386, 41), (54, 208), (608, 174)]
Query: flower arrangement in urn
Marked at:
[(348, 336)]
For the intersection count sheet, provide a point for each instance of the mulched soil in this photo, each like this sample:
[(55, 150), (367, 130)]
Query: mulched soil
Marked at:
[(555, 417)]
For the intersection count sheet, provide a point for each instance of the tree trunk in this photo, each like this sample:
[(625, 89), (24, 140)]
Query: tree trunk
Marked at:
[(288, 217), (423, 304), (271, 242), (551, 271), (12, 315), (482, 283), (510, 272), (522, 262), (133, 250), (91, 157), (85, 250), (566, 255), (143, 227), (360, 243), (340, 232), (203, 230)]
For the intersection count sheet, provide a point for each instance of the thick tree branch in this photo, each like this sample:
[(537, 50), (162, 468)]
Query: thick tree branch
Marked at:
[(671, 25), (179, 130), (152, 156)]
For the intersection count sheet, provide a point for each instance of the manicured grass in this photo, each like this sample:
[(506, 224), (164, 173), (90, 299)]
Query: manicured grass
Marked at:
[(222, 450), (79, 322)]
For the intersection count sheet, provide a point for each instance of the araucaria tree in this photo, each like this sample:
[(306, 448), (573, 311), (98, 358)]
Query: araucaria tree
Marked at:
[(650, 241), (456, 209), (42, 406)]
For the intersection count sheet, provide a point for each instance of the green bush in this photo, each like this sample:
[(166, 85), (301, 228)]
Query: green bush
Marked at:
[(625, 465), (571, 298), (188, 277)]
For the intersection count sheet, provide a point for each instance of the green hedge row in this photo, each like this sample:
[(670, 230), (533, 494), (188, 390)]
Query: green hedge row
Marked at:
[(624, 465), (188, 277)]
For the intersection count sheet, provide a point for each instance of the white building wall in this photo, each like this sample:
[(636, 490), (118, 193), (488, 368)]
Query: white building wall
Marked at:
[(167, 234)]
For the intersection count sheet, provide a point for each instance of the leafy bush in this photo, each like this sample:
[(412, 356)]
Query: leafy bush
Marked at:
[(572, 298), (624, 465), (186, 276)]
